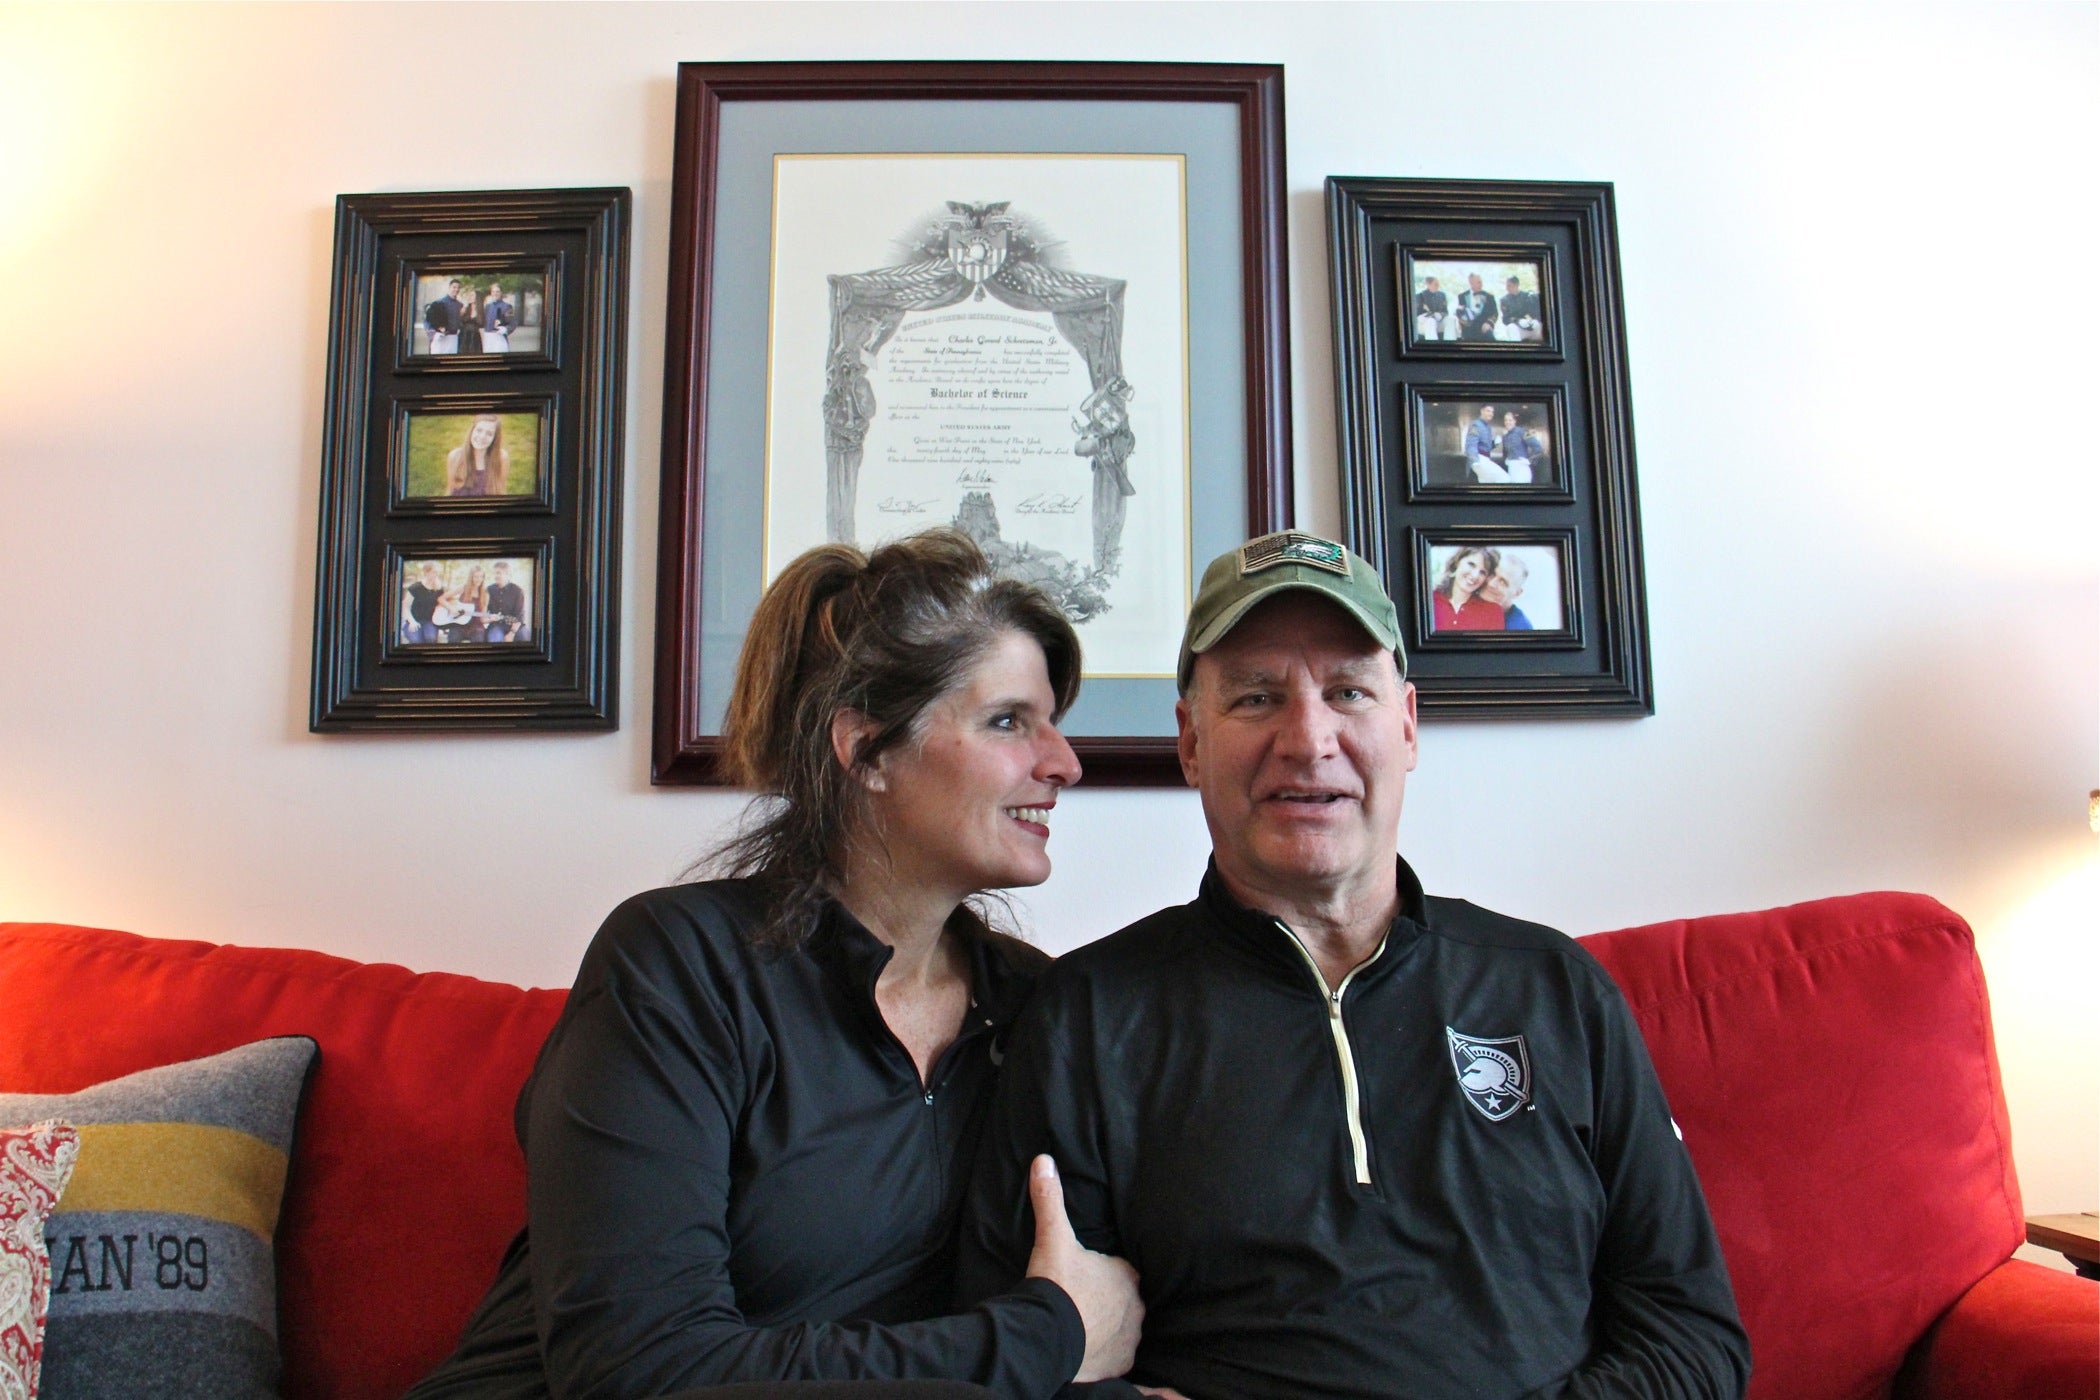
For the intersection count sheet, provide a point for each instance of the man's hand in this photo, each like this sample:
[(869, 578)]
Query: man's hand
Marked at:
[(1102, 1287)]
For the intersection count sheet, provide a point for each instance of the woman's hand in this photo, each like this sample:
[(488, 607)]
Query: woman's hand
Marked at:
[(1101, 1286)]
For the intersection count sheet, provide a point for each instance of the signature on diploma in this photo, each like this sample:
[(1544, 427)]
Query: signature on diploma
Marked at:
[(1047, 503), (976, 476), (898, 505)]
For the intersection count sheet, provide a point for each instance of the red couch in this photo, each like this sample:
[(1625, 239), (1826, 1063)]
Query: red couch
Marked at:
[(1831, 1066)]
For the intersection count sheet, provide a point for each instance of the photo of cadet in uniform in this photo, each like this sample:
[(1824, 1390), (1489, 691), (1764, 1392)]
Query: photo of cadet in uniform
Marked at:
[(1473, 301), (451, 455), (1468, 441), (478, 313), (1495, 588), (447, 601)]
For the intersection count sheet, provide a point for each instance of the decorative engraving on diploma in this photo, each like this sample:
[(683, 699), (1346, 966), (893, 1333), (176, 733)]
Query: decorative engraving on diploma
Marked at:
[(978, 376)]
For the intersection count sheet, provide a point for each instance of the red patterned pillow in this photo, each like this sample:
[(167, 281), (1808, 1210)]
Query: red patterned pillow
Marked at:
[(35, 1163)]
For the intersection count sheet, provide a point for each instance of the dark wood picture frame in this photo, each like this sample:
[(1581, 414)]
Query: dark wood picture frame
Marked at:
[(685, 749), (366, 676), (1602, 666)]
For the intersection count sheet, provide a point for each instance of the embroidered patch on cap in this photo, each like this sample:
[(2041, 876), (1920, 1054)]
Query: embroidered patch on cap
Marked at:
[(1494, 1073), (1293, 547)]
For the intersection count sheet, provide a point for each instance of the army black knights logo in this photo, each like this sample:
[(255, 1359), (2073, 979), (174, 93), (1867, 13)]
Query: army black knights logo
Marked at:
[(1495, 1074)]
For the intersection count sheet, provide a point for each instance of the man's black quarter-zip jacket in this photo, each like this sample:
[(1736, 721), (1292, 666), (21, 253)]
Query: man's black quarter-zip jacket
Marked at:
[(1453, 1175)]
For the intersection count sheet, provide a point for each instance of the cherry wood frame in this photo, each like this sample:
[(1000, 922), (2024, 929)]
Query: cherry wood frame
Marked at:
[(683, 752)]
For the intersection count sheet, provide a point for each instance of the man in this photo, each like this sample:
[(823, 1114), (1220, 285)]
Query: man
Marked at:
[(497, 319), (1520, 448), (511, 622), (1520, 313), (1358, 1142), (1483, 448), (1476, 311), (1504, 587), (1432, 310), (443, 316)]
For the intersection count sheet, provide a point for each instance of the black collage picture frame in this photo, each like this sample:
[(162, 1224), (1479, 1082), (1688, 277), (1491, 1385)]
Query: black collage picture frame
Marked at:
[(1487, 438), (468, 573)]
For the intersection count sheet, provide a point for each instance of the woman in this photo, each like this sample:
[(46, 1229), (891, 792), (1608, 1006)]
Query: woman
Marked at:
[(464, 611), (1455, 599), (747, 1137), (470, 324), (480, 466), (419, 604)]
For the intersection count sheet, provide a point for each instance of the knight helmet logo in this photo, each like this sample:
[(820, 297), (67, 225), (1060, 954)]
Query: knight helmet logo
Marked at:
[(1494, 1073)]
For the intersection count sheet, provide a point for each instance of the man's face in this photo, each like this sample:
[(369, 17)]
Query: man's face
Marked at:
[(1473, 281), (1487, 413), (1507, 585), (1432, 284), (1299, 733), (453, 289), (502, 572), (1512, 284)]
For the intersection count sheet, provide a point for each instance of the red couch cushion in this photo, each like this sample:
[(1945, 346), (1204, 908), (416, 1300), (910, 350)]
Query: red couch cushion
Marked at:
[(383, 1250), (2023, 1333), (1831, 1066)]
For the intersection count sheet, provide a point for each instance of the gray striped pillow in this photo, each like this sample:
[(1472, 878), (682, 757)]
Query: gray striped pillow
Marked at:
[(163, 1282)]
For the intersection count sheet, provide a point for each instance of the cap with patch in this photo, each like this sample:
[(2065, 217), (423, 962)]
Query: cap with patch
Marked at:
[(1261, 568)]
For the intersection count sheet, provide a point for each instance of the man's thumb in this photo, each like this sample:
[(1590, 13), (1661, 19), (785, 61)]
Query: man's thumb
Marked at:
[(1047, 1194)]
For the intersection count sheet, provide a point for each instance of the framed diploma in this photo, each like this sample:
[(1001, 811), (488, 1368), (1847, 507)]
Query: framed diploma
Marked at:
[(1043, 303)]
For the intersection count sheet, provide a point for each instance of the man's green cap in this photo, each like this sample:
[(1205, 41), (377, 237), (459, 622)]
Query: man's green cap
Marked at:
[(1261, 568)]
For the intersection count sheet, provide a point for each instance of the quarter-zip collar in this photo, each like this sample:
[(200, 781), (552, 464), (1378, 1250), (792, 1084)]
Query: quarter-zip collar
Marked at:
[(854, 957), (1267, 937), (1274, 940)]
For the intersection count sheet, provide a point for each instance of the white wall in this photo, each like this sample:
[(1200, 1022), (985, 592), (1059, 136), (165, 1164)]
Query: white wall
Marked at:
[(1859, 302)]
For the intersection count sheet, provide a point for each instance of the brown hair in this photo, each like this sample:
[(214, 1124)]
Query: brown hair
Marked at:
[(885, 634)]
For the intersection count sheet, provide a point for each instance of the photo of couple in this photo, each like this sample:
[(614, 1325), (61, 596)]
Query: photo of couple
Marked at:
[(456, 455), (447, 601), (1472, 300), (1477, 588), (479, 313)]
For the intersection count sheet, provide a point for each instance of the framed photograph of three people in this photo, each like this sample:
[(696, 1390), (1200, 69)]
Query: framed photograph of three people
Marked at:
[(1486, 432), (468, 565), (1043, 303)]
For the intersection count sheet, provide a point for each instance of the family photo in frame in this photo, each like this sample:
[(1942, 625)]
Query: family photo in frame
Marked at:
[(479, 313), (469, 538), (453, 602), (1482, 440), (1486, 431), (1477, 301), (1494, 590)]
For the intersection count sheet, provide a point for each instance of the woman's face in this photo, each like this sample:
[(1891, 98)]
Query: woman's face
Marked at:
[(967, 807), (474, 578), (484, 432), (1468, 573)]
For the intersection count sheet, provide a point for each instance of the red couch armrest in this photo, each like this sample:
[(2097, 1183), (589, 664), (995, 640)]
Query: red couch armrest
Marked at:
[(2022, 1333)]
